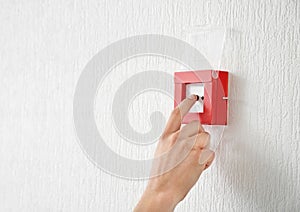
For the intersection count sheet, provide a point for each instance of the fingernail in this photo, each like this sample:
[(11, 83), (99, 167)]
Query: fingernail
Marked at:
[(204, 156), (193, 97)]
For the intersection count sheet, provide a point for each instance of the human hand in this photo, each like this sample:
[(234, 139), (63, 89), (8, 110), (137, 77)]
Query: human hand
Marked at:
[(187, 146)]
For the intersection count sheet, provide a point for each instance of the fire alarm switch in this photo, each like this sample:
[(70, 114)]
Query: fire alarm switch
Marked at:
[(212, 88)]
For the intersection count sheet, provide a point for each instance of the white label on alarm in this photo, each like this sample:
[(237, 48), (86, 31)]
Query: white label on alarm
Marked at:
[(198, 89)]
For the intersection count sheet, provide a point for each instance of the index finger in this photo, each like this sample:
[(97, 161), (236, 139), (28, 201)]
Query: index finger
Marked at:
[(178, 113)]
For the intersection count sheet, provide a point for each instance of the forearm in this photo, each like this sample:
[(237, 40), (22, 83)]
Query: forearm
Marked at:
[(154, 201)]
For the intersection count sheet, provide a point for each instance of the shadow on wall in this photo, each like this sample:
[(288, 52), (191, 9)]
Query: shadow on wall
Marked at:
[(256, 180)]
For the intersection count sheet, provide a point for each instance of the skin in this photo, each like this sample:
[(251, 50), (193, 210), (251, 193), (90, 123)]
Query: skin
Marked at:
[(166, 190)]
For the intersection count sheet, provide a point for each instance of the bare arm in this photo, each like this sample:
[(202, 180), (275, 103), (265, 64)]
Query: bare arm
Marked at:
[(166, 190)]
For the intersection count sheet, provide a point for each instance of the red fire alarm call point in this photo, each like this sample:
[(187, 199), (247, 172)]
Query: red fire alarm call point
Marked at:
[(212, 88)]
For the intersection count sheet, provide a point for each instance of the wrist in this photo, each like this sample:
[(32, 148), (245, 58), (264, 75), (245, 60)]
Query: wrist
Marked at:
[(155, 201)]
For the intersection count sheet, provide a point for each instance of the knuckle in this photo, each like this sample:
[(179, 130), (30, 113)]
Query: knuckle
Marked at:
[(176, 112), (203, 139), (171, 138), (205, 134), (174, 137), (197, 148)]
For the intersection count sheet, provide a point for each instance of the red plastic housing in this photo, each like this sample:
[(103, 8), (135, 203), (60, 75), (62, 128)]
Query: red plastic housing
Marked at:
[(215, 95)]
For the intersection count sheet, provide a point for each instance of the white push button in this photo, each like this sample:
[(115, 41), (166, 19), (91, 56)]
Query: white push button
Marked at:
[(198, 89)]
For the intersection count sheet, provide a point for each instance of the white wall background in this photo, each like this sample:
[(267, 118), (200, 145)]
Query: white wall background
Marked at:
[(46, 44)]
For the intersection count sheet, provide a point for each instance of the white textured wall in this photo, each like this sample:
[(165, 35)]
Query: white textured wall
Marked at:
[(44, 46)]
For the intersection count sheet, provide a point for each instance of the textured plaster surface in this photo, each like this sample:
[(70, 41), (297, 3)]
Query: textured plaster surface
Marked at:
[(46, 44)]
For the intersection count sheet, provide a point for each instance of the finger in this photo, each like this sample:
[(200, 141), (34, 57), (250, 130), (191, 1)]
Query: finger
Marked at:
[(210, 161), (200, 140), (178, 113), (206, 157), (191, 129)]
